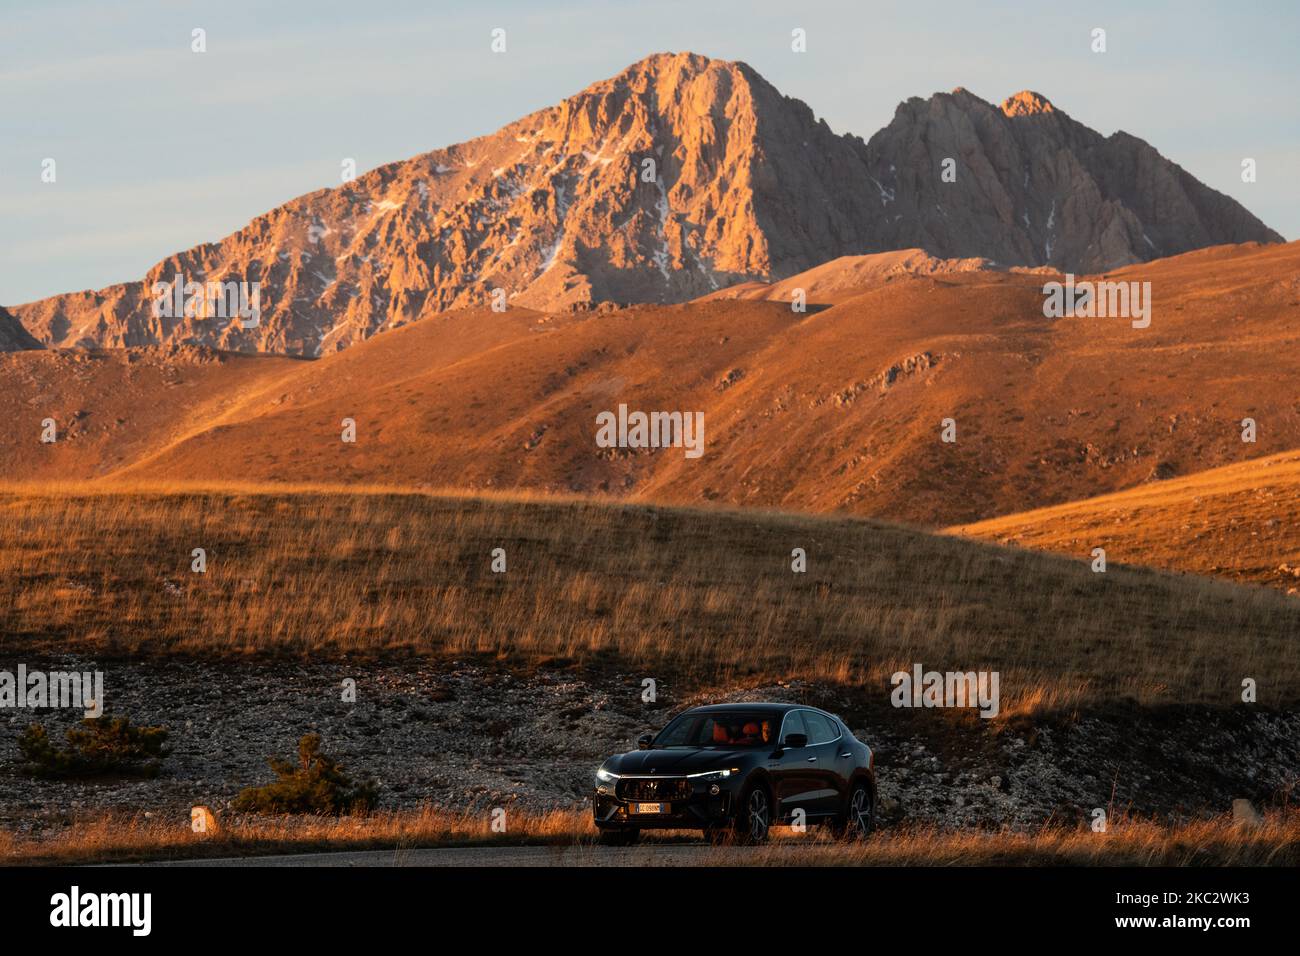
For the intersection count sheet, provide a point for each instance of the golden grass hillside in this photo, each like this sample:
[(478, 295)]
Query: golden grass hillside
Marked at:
[(837, 410), (711, 593), (1241, 522)]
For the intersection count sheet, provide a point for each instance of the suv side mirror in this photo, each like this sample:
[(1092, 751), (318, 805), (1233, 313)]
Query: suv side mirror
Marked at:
[(644, 741), (795, 741)]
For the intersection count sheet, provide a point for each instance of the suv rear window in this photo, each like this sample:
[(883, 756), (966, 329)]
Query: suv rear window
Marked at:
[(821, 730)]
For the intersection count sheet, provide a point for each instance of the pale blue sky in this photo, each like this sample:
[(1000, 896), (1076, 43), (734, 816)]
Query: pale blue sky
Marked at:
[(159, 149)]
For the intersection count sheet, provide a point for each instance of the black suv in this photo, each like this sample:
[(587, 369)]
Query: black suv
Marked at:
[(734, 771)]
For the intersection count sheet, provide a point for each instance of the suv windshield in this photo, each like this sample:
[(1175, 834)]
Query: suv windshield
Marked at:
[(729, 731)]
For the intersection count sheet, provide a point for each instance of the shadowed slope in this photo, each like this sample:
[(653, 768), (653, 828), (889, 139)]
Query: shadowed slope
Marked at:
[(1241, 522)]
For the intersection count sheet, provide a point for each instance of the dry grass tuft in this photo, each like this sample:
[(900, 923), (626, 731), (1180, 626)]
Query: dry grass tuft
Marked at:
[(1213, 842)]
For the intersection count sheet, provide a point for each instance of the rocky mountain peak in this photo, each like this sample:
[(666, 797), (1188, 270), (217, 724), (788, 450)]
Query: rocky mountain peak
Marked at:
[(677, 177), (1027, 103)]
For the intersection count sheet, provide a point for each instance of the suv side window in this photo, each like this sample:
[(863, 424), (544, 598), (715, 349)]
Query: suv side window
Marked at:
[(820, 730)]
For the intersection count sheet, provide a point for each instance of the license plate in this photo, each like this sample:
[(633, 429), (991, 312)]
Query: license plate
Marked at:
[(649, 808)]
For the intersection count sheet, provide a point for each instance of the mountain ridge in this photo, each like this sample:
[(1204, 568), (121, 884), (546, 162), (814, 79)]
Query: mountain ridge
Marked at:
[(557, 211)]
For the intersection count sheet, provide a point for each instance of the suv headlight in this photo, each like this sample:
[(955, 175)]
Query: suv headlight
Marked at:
[(604, 776), (713, 774)]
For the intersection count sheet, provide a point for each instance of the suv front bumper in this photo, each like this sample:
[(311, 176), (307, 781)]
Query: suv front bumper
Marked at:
[(701, 809)]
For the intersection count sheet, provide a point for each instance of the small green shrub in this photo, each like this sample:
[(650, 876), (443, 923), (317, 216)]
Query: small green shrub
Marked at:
[(317, 784), (100, 746)]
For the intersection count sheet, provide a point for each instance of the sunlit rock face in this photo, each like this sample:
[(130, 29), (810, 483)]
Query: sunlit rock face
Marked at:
[(680, 176)]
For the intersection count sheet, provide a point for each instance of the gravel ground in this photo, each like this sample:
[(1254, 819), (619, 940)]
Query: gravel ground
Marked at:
[(469, 736)]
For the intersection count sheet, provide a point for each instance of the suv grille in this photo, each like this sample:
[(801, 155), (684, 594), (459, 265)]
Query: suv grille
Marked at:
[(668, 788)]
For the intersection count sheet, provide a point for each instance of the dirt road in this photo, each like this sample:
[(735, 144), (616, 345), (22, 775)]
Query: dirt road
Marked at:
[(649, 855)]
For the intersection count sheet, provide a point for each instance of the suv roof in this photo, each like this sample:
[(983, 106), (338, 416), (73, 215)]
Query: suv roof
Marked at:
[(769, 706)]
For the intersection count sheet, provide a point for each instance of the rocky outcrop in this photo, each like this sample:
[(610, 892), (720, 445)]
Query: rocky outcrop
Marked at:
[(13, 337), (1030, 186), (678, 177)]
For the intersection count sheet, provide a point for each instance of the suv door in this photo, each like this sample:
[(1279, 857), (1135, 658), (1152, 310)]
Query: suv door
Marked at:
[(826, 790), (846, 761), (794, 784)]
